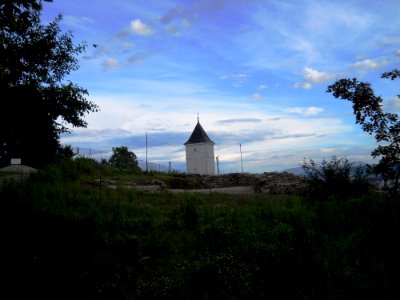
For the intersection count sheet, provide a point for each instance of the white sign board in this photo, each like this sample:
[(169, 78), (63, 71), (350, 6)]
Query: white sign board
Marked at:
[(15, 161)]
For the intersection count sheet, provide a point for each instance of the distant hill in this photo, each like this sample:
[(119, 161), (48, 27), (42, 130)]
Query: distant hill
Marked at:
[(296, 171)]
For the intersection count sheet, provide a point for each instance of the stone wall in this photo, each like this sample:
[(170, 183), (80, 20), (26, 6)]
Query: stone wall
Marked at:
[(267, 183), (279, 183)]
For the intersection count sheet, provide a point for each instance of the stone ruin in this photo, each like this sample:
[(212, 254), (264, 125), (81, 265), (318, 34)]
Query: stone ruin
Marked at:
[(266, 183)]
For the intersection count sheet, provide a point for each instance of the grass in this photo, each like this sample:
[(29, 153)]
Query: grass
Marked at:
[(6, 174), (65, 238)]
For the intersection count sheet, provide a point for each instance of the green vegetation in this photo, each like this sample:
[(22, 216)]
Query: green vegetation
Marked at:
[(337, 177), (66, 237), (38, 101), (367, 108), (123, 159)]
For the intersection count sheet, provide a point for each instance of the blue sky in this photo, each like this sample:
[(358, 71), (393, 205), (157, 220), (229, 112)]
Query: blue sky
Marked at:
[(255, 71)]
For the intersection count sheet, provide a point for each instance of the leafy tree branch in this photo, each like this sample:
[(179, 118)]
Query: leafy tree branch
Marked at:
[(38, 102), (367, 108)]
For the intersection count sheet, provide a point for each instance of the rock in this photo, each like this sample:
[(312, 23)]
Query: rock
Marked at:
[(18, 169), (148, 188), (279, 183), (266, 183), (159, 183)]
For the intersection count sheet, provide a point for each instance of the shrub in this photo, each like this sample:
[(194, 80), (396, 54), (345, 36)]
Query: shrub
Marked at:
[(334, 178)]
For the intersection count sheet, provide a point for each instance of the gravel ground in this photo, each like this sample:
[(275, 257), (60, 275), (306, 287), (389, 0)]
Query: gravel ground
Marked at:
[(226, 190)]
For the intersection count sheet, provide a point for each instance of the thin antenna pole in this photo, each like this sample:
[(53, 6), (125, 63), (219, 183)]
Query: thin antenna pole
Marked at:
[(146, 155), (241, 157)]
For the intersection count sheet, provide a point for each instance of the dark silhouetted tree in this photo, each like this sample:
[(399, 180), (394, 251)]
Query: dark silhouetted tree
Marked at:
[(367, 107), (37, 102), (123, 159), (336, 177), (65, 152)]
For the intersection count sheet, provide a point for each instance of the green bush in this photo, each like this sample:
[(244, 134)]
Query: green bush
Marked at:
[(334, 178)]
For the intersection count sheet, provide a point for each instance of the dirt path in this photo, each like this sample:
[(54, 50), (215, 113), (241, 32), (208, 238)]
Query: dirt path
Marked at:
[(226, 190)]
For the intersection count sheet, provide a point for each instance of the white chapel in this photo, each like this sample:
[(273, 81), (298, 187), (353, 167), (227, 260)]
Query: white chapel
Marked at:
[(200, 152)]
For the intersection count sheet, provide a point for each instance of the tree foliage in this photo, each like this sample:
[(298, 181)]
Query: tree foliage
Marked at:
[(38, 103), (335, 177), (335, 170), (123, 159), (367, 108)]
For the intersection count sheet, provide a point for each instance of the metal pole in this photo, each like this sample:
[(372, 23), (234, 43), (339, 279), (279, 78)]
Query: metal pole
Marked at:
[(241, 157), (217, 164), (146, 155)]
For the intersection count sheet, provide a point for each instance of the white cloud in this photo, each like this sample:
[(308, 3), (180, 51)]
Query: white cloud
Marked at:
[(110, 63), (262, 87), (368, 64), (312, 76), (328, 150), (140, 28), (257, 96), (392, 105), (307, 85), (303, 85), (306, 111)]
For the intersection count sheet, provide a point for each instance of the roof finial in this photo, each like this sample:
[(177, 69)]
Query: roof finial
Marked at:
[(198, 118)]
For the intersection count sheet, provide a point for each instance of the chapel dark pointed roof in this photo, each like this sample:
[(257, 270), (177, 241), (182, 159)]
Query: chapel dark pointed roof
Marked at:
[(199, 136)]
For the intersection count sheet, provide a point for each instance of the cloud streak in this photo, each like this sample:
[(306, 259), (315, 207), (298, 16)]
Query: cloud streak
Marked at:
[(239, 120), (305, 111), (77, 21)]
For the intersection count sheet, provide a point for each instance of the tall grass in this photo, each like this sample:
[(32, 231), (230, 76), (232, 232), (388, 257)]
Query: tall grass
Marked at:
[(66, 237)]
